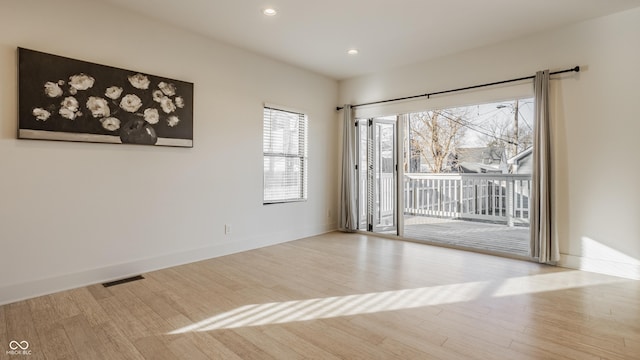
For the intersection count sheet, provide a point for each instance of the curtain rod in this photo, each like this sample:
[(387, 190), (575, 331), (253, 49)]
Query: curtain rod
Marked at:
[(428, 95)]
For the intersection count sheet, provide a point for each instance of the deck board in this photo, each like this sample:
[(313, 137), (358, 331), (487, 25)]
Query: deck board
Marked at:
[(469, 234)]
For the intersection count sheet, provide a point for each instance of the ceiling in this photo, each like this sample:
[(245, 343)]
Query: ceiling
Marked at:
[(316, 35)]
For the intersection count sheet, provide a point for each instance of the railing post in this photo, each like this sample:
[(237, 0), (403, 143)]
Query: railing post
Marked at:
[(416, 196), (460, 198), (439, 198), (475, 197), (510, 198)]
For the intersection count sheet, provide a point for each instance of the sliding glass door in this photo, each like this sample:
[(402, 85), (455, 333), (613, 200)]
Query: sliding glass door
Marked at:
[(465, 178)]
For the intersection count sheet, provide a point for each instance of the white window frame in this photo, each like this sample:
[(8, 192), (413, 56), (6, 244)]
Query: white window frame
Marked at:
[(279, 147)]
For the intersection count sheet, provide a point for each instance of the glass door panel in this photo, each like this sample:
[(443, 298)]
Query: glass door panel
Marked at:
[(377, 175), (362, 167), (383, 175)]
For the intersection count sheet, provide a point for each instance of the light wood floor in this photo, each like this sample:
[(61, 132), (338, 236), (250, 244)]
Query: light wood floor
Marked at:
[(338, 296)]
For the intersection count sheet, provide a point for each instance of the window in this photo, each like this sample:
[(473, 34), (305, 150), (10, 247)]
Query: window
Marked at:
[(285, 156)]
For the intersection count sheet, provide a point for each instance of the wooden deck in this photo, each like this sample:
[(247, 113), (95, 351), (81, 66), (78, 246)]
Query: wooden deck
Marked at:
[(469, 234)]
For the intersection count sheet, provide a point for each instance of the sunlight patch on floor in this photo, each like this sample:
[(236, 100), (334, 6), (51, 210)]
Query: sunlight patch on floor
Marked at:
[(337, 306)]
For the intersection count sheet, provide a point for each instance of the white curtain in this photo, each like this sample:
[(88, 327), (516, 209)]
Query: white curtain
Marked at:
[(544, 242), (348, 217)]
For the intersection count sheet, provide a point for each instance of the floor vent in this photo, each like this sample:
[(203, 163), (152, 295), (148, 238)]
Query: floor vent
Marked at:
[(123, 281)]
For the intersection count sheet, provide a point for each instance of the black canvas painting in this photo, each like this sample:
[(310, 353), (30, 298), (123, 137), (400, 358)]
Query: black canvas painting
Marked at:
[(73, 100)]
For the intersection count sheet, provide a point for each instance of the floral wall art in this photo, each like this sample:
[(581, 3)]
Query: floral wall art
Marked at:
[(73, 100)]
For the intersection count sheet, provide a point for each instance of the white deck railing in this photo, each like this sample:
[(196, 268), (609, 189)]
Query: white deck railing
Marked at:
[(492, 197)]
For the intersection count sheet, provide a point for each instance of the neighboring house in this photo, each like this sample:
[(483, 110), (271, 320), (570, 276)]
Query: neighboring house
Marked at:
[(521, 163), (476, 168), (486, 159)]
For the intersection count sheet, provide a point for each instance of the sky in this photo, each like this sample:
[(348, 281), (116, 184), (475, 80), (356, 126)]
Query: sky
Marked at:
[(483, 114)]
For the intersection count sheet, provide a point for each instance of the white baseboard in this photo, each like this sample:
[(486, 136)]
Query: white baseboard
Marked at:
[(30, 289), (625, 270)]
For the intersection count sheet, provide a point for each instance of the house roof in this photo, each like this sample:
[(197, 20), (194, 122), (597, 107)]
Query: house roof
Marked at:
[(470, 167), (482, 155), (520, 156)]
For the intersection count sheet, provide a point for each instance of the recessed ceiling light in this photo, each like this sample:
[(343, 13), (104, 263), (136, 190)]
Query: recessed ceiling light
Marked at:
[(352, 52), (269, 11)]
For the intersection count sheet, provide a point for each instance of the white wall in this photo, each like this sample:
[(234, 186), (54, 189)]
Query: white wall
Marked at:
[(80, 213), (596, 125)]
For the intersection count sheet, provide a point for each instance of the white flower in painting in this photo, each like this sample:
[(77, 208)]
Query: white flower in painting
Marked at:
[(41, 114), (67, 113), (139, 81), (113, 92), (151, 116), (157, 95), (60, 82), (111, 123), (167, 105), (69, 108), (179, 101), (130, 103), (80, 82), (173, 121), (73, 91), (70, 103), (98, 106), (167, 89), (52, 89)]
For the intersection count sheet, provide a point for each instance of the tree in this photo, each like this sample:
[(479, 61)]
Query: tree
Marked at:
[(499, 132), (509, 129), (435, 135)]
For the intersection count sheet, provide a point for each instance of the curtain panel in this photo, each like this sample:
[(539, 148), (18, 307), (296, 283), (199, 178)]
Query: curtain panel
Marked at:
[(348, 217), (544, 241)]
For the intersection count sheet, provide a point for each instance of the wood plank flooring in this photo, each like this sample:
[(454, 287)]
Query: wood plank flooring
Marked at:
[(338, 296)]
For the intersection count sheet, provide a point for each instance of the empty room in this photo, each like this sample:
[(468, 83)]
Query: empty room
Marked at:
[(319, 180)]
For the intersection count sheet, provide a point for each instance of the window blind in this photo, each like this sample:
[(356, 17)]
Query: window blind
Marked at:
[(285, 156)]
